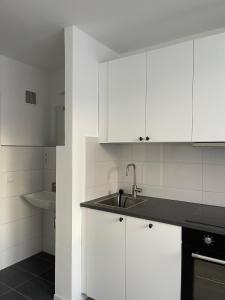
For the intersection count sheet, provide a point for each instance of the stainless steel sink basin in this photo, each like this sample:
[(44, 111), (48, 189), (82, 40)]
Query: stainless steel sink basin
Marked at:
[(126, 201)]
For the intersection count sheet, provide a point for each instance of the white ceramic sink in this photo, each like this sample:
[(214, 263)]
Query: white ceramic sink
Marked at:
[(44, 199)]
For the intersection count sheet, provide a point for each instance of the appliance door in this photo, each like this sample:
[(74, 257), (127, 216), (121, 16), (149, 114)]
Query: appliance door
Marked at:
[(203, 276), (208, 278)]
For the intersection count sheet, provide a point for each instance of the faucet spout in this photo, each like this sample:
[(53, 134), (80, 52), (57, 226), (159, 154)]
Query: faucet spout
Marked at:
[(135, 189), (134, 172)]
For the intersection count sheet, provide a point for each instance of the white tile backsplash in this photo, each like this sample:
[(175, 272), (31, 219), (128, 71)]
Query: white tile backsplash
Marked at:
[(214, 178), (48, 232), (128, 179), (101, 190), (125, 152), (33, 158), (21, 158), (182, 176), (48, 218), (214, 155), (21, 251), (31, 182), (175, 171), (16, 232), (10, 184), (101, 173), (11, 158), (181, 153), (151, 174), (49, 178), (212, 198), (50, 158), (101, 168), (15, 208), (146, 152), (21, 232)]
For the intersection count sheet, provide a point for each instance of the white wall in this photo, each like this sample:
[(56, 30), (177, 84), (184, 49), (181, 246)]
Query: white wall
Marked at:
[(83, 54), (22, 123), (21, 172), (57, 101)]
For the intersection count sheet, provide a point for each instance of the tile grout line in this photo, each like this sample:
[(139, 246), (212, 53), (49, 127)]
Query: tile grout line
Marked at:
[(36, 275), (21, 294)]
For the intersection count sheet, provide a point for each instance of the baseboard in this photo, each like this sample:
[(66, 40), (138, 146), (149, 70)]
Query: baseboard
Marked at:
[(56, 297)]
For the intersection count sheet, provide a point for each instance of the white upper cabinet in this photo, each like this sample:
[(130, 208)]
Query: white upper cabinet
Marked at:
[(209, 89), (126, 98), (172, 94), (169, 93), (103, 103), (153, 260)]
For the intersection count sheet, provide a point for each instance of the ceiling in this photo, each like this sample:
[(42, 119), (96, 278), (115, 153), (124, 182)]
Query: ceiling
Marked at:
[(32, 30)]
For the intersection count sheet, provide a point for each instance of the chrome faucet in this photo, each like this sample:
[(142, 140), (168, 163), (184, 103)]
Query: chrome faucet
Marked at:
[(135, 189)]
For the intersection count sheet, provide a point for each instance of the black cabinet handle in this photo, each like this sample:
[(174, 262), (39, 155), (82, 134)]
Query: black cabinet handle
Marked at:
[(121, 219), (150, 226), (140, 138), (147, 138)]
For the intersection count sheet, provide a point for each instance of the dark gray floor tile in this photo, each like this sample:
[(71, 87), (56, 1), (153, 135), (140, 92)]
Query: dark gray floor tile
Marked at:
[(49, 275), (46, 256), (12, 276), (34, 265), (12, 295), (37, 289), (3, 288)]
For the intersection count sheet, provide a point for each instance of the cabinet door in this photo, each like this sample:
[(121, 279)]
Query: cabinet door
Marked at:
[(105, 246), (209, 89), (103, 103), (153, 260), (169, 93), (127, 98)]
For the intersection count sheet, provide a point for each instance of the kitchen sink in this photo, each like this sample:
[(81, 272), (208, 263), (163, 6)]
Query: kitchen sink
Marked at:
[(126, 201)]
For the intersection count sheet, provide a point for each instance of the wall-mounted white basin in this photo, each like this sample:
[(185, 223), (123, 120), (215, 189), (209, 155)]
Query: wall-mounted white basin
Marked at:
[(44, 199)]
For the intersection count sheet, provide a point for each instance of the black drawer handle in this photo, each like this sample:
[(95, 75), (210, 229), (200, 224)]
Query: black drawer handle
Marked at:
[(121, 219), (150, 226), (140, 138)]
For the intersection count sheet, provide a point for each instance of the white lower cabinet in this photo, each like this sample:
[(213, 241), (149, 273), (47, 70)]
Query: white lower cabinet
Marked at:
[(132, 259), (105, 250), (153, 260)]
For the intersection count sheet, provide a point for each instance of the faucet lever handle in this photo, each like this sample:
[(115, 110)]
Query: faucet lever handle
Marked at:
[(138, 190)]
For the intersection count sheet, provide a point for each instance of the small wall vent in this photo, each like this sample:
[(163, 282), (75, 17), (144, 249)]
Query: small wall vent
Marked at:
[(30, 97)]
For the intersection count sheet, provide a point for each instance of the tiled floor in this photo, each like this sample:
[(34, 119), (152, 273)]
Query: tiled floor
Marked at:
[(32, 278)]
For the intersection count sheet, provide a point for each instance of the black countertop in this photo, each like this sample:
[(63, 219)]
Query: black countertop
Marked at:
[(196, 216)]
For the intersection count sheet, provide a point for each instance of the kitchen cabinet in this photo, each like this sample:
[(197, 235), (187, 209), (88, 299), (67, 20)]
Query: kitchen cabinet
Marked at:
[(127, 98), (129, 258), (169, 93), (147, 97), (153, 260), (172, 94), (105, 255), (103, 103), (209, 89)]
